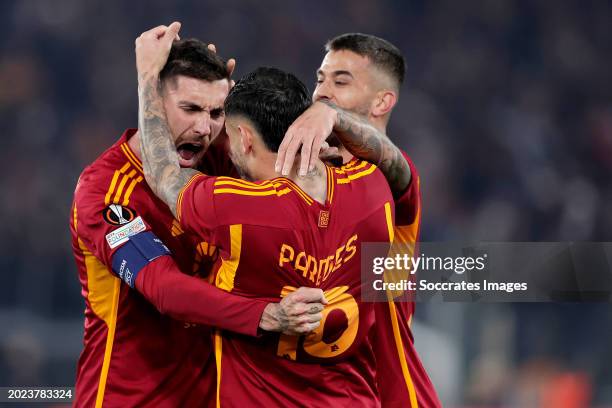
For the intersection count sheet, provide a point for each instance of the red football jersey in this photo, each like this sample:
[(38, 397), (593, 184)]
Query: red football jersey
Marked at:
[(133, 355), (274, 238), (402, 379)]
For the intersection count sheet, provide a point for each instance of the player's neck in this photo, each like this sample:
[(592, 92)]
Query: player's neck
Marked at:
[(314, 183)]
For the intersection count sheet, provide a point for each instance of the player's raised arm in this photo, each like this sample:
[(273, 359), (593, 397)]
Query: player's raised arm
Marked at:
[(159, 157), (358, 136)]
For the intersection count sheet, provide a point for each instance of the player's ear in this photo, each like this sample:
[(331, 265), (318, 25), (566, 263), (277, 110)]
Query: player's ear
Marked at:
[(246, 138), (384, 101)]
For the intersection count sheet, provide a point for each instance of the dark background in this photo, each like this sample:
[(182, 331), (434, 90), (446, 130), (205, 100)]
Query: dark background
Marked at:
[(506, 112)]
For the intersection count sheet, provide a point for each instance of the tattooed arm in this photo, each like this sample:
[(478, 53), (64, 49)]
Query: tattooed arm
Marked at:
[(359, 137), (159, 157), (366, 142), (160, 160)]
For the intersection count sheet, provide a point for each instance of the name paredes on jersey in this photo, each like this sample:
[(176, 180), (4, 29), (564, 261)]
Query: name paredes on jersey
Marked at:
[(317, 270)]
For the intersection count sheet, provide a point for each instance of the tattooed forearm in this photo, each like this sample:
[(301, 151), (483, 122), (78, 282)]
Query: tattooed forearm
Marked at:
[(367, 143), (159, 158)]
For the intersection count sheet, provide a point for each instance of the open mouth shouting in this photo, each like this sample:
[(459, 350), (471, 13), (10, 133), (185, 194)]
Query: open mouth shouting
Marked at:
[(190, 153)]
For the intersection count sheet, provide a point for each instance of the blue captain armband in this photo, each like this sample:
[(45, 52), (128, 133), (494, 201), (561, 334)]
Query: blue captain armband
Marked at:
[(140, 250)]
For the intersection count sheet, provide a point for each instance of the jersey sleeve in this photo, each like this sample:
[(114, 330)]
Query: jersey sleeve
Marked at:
[(125, 243), (105, 227), (408, 205), (187, 298), (195, 207)]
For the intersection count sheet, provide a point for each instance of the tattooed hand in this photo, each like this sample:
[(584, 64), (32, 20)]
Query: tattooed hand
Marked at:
[(357, 135), (308, 131), (159, 158), (297, 313)]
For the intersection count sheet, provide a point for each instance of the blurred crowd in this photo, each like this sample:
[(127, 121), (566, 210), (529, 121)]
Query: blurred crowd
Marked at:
[(506, 111)]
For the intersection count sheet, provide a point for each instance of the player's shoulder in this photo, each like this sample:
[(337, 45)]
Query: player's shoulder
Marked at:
[(413, 168), (269, 202), (113, 175), (358, 173), (361, 186)]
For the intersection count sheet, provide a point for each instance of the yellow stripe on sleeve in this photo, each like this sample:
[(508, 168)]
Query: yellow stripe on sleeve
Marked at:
[(128, 192), (358, 175), (111, 189), (252, 193), (252, 186), (124, 180)]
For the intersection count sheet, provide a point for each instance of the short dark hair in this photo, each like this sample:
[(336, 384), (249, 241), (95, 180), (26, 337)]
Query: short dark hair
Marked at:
[(271, 99), (192, 58), (381, 53)]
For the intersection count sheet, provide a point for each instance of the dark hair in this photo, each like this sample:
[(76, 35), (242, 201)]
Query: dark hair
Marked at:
[(193, 59), (381, 53), (270, 98)]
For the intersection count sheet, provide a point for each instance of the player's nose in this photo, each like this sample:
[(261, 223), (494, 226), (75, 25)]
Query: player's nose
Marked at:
[(322, 92), (201, 125)]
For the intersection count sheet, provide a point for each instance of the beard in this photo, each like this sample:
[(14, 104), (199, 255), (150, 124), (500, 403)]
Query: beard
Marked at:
[(241, 168)]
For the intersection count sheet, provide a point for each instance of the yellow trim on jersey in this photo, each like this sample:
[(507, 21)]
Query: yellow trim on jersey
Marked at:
[(350, 164), (203, 248), (179, 198), (218, 355), (237, 183), (389, 221), (103, 296), (124, 180), (349, 167), (74, 214), (266, 188), (227, 272), (395, 323), (242, 182), (402, 355), (131, 156), (252, 193), (111, 189), (176, 229), (298, 190), (109, 344), (330, 184), (128, 192), (355, 176)]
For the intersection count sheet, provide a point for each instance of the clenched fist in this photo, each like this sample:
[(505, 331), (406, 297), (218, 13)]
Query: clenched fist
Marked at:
[(153, 48)]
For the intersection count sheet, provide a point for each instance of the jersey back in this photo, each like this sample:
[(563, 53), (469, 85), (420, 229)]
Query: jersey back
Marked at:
[(273, 238)]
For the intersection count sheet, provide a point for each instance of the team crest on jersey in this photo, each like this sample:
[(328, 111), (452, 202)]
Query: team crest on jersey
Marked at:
[(323, 219), (116, 214)]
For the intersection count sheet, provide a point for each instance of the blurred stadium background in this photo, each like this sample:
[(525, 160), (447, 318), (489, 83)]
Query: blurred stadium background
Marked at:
[(507, 112)]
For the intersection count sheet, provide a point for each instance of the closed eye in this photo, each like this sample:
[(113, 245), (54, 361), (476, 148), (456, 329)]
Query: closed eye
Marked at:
[(217, 113), (191, 108)]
